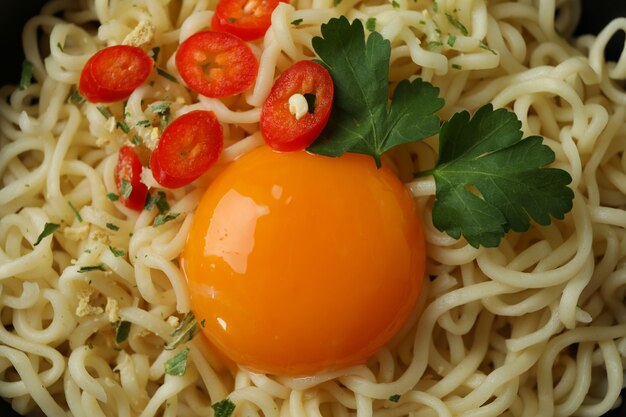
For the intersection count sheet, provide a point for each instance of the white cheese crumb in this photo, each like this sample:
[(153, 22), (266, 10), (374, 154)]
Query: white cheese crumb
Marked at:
[(173, 321), (84, 307), (113, 310), (298, 105), (141, 36)]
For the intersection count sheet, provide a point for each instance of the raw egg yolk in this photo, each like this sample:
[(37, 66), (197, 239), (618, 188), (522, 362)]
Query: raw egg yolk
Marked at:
[(298, 263)]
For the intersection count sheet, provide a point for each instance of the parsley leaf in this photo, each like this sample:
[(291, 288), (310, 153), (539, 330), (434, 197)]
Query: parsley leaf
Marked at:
[(48, 229), (177, 364), (223, 408), (113, 196), (370, 24), (394, 398), (297, 22), (487, 153), (362, 120)]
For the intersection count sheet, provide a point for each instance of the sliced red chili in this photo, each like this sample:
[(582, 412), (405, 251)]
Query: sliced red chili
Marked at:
[(188, 147), (113, 73), (128, 179), (247, 19), (281, 129), (162, 177), (216, 64)]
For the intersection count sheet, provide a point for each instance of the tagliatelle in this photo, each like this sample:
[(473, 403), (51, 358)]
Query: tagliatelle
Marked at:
[(535, 327)]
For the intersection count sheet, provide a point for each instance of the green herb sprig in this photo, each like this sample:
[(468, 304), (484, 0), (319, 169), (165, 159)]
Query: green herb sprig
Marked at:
[(489, 179)]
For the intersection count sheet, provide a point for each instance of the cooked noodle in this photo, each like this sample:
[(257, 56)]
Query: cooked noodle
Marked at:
[(535, 327)]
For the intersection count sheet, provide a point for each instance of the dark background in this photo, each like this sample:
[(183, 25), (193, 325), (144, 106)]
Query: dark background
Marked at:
[(14, 13)]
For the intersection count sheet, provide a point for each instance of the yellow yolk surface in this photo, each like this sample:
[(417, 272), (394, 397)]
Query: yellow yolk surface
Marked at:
[(301, 263)]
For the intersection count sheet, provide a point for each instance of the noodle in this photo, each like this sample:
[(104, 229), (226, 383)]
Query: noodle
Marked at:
[(535, 327)]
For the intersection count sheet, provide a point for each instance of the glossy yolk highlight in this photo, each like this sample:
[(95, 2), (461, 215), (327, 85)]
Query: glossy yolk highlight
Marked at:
[(300, 263)]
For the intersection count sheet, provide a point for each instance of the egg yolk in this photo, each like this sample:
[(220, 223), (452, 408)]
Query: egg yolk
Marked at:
[(299, 263)]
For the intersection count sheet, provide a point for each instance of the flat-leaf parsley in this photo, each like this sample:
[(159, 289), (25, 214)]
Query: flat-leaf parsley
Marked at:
[(362, 120), (489, 180), (487, 152)]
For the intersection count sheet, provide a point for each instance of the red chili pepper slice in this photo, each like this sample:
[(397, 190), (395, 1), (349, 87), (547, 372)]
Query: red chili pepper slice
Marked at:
[(188, 147), (247, 19), (128, 179), (280, 128), (216, 64), (113, 73)]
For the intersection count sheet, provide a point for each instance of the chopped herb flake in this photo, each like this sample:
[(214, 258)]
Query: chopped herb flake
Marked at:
[(104, 111), (144, 123), (48, 229), (371, 24), (395, 398), (164, 218), (136, 140), (162, 203), (451, 40), (113, 227), (336, 2), (177, 364), (87, 268), (126, 188), (76, 98), (395, 4), (433, 45), (155, 53), (223, 408), (163, 109), (113, 196), (121, 331), (184, 332), (203, 323), (166, 75), (456, 66), (117, 252), (122, 125), (454, 22), (296, 22), (76, 213), (160, 107), (484, 46), (150, 201), (27, 74), (60, 46)]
